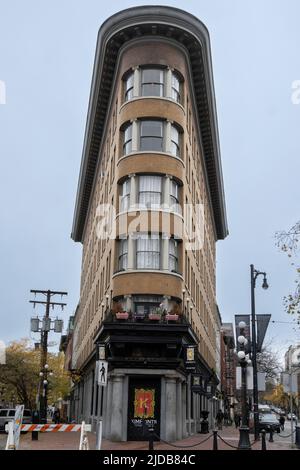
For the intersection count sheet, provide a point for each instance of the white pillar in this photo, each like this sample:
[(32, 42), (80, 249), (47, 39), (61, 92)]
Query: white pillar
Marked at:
[(136, 82), (133, 191), (166, 192), (169, 83), (179, 409), (168, 137), (117, 408), (130, 260), (134, 146), (165, 253), (171, 409)]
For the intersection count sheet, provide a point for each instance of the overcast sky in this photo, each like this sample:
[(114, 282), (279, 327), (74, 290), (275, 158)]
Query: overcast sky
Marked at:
[(46, 60)]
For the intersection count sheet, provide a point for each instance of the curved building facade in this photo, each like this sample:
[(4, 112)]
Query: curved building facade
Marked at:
[(149, 211)]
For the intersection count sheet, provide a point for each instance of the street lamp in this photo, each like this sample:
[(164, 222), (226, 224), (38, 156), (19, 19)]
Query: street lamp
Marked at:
[(254, 275), (244, 442), (44, 385)]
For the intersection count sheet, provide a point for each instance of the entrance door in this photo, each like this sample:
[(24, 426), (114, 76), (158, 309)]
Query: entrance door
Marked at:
[(143, 408)]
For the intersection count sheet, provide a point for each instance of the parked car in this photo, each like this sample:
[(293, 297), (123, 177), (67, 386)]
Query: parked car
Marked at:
[(8, 414), (267, 421), (289, 417)]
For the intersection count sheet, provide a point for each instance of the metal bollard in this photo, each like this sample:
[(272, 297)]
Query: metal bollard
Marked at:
[(215, 440), (263, 440), (151, 439), (271, 435)]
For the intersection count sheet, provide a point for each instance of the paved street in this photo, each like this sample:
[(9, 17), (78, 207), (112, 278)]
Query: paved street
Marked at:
[(70, 441), (3, 438)]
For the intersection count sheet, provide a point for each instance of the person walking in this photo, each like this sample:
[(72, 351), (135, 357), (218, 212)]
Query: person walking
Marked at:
[(282, 421), (56, 416), (237, 420), (219, 419)]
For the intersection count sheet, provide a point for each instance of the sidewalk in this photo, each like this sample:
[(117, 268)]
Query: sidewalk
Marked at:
[(70, 441)]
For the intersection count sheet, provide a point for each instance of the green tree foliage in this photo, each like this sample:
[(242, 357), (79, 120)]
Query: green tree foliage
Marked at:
[(19, 377)]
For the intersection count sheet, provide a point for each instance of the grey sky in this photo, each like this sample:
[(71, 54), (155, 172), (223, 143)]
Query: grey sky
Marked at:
[(46, 59)]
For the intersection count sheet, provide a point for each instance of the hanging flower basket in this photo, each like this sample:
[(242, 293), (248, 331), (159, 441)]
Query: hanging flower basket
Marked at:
[(154, 316), (122, 315), (172, 317)]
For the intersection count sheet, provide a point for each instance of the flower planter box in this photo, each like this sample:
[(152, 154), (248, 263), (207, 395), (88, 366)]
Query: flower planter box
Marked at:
[(172, 317), (122, 316), (154, 316)]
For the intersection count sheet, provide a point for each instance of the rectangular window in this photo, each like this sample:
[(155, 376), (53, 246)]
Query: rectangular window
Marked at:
[(129, 87), (151, 136), (125, 195), (175, 142), (174, 197), (152, 83), (148, 252), (175, 88), (150, 191), (127, 146), (173, 255), (123, 255)]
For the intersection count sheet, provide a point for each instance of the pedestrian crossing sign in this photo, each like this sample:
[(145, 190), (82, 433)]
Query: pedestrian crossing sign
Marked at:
[(102, 367)]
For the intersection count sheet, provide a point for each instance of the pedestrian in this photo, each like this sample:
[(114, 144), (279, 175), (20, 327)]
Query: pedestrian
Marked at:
[(282, 421), (56, 416), (237, 420), (219, 419)]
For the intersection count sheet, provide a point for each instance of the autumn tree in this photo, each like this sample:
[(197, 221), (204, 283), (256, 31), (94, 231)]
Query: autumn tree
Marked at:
[(20, 375), (288, 242)]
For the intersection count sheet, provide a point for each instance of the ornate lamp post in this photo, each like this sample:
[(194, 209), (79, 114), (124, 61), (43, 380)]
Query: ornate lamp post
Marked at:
[(244, 442), (254, 274)]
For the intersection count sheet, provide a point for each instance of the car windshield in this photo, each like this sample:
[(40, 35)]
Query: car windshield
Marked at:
[(268, 417)]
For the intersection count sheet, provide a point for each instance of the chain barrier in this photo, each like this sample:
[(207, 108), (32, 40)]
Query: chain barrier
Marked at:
[(182, 447), (289, 435), (226, 443)]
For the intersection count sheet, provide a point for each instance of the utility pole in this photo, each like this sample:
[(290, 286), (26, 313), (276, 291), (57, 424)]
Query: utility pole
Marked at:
[(46, 327)]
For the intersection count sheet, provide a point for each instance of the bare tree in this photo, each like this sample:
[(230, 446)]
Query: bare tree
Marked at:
[(288, 242), (268, 361)]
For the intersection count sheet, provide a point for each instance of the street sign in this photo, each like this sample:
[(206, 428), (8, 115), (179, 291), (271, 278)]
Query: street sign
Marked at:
[(102, 368)]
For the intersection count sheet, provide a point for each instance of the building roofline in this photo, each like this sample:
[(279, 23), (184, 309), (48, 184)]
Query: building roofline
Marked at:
[(114, 33)]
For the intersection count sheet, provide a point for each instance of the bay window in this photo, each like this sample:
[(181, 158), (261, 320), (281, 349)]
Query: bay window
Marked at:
[(153, 82)]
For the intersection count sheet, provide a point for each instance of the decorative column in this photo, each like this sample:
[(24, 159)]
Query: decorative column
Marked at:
[(130, 259), (166, 192), (169, 83), (171, 408), (133, 191), (168, 137), (189, 424), (136, 82), (134, 146), (184, 413), (117, 408), (165, 252), (179, 409), (107, 407)]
